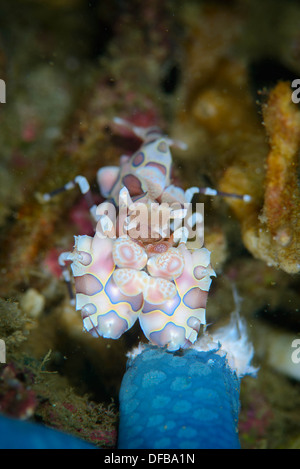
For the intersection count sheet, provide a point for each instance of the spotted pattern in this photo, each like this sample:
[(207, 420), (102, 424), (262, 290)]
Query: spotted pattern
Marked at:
[(187, 405), (138, 159), (121, 277), (106, 311)]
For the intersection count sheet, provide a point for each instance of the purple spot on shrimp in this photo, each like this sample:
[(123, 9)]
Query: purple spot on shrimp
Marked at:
[(138, 159), (162, 147), (163, 337), (133, 184), (116, 296), (88, 284), (195, 298), (111, 325), (168, 307)]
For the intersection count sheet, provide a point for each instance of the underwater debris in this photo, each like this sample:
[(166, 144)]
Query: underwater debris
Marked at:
[(272, 234), (17, 399), (29, 390), (32, 303), (80, 417), (281, 208), (13, 325)]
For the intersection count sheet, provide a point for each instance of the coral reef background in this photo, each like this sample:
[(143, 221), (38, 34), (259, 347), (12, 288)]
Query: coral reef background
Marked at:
[(216, 75)]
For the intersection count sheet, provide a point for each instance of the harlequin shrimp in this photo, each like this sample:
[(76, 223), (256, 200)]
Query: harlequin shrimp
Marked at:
[(140, 264)]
